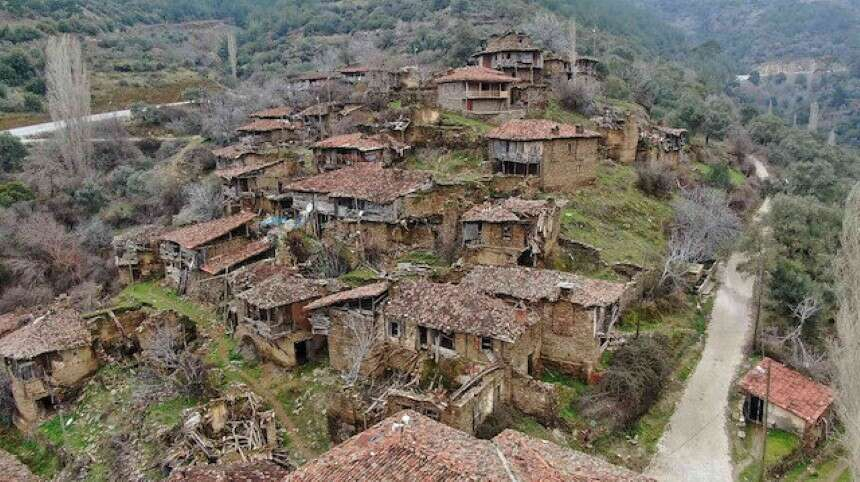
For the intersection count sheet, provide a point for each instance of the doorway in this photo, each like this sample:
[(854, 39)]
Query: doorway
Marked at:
[(301, 349)]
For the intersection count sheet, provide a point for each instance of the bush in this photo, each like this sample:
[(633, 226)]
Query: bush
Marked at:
[(655, 179), (719, 176), (12, 152), (13, 192), (577, 95)]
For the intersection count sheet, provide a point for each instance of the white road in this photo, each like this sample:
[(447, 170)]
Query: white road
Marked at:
[(695, 447), (48, 127)]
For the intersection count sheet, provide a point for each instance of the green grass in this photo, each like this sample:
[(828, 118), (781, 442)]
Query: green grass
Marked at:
[(780, 444), (454, 165), (421, 257), (557, 113), (822, 471), (458, 120), (359, 276), (162, 298), (395, 104), (40, 458), (569, 390), (736, 177), (169, 412), (614, 216), (304, 393)]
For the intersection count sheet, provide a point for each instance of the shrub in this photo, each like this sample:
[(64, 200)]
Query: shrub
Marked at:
[(12, 152), (655, 179), (13, 192), (719, 176), (577, 95)]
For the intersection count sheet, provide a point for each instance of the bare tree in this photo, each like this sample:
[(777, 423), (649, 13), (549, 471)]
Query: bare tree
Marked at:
[(364, 336), (231, 53), (69, 101), (204, 203), (801, 354), (551, 31), (845, 353), (704, 224)]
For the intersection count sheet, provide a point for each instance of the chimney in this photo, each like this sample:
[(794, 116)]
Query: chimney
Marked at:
[(556, 129)]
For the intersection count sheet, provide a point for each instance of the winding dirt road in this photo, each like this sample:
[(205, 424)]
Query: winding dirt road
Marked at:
[(696, 446)]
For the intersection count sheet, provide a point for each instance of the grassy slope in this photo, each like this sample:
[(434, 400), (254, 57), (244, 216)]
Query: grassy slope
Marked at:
[(617, 218)]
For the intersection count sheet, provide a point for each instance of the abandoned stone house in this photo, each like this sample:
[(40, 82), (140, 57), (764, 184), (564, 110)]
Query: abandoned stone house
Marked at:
[(244, 184), (476, 90), (577, 313), (313, 80), (239, 256), (515, 54), (559, 156), (511, 231), (620, 134), (185, 250), (663, 144), (318, 119), (136, 253), (363, 200), (557, 66), (377, 78), (347, 319), (283, 112), (345, 150), (410, 446), (586, 67), (271, 321), (46, 356), (796, 403), (271, 131)]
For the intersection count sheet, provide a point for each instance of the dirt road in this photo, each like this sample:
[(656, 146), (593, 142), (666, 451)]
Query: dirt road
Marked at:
[(695, 447)]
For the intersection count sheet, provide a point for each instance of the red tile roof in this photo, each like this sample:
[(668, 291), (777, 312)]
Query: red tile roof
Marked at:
[(356, 141), (267, 125), (365, 180), (238, 472), (282, 289), (234, 151), (57, 330), (457, 308), (475, 74), (789, 390), (535, 460), (316, 110), (536, 130), (506, 211), (368, 291), (273, 113), (217, 264), (246, 168), (410, 447), (532, 284), (191, 237)]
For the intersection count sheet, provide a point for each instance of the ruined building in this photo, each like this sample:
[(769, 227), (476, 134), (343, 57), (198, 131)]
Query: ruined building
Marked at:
[(620, 134), (557, 156), (136, 253), (410, 446), (244, 185), (515, 54), (51, 353), (557, 66), (577, 313), (511, 231), (271, 131), (348, 149), (185, 250), (476, 90)]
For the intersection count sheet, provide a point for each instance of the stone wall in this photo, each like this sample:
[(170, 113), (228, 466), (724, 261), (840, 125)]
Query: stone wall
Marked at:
[(569, 163), (450, 95), (534, 397), (69, 367), (568, 338)]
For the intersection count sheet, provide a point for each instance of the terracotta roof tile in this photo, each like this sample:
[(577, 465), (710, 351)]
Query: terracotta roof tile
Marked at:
[(508, 210), (535, 460), (12, 470), (475, 74), (246, 168), (537, 129), (144, 233), (533, 284), (238, 472), (789, 390), (234, 151), (365, 180), (368, 291), (57, 330), (457, 308), (510, 42), (359, 142), (273, 113), (267, 125), (281, 289), (323, 108), (191, 237), (217, 264)]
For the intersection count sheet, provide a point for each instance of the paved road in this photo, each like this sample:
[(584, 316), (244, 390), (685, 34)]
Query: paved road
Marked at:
[(48, 127), (695, 447)]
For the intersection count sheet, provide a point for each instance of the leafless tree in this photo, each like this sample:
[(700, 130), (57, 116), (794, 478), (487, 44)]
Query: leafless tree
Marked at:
[(578, 95), (803, 355), (364, 334), (69, 101), (551, 31), (203, 203), (703, 225), (231, 53), (845, 353)]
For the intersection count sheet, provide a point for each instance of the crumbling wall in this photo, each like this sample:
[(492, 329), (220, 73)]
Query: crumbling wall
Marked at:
[(568, 338), (69, 367), (569, 163), (527, 347), (535, 398)]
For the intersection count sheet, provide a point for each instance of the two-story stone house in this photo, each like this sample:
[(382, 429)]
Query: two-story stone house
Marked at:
[(477, 90), (348, 149), (515, 54)]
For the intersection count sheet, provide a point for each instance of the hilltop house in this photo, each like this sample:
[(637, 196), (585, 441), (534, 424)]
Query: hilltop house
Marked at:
[(558, 156), (557, 66), (45, 357), (272, 131), (586, 66), (411, 446), (245, 184), (577, 313), (477, 90), (515, 54), (363, 198), (796, 403), (510, 232), (136, 253), (664, 144), (283, 112), (345, 150), (185, 250), (272, 322), (377, 78)]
